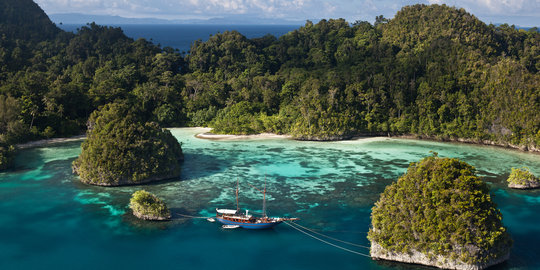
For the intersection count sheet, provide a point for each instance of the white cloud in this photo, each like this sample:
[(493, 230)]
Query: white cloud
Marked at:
[(289, 9), (494, 6)]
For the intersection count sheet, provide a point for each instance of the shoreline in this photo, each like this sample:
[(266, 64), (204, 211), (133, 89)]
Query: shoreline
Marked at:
[(230, 137), (507, 146), (521, 148), (45, 142)]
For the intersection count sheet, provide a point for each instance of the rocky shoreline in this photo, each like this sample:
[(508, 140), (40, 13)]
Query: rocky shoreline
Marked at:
[(524, 186), (124, 182), (524, 148), (377, 252), (150, 217), (147, 206)]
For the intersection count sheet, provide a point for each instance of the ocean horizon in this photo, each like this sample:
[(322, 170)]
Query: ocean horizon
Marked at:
[(181, 36)]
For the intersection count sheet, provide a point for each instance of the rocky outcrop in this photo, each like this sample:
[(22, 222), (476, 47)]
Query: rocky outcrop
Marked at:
[(103, 179), (377, 252), (148, 206), (150, 217), (124, 149), (522, 179), (528, 185), (439, 213)]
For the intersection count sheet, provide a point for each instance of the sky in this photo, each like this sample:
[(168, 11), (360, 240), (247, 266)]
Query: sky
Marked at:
[(518, 12)]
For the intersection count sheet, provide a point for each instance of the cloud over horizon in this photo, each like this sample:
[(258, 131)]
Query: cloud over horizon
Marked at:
[(520, 12)]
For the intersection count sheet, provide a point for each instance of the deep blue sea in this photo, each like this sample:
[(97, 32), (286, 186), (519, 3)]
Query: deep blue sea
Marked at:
[(49, 220), (181, 36)]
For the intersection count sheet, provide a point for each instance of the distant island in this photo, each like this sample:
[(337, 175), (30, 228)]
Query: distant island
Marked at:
[(439, 213), (122, 150), (522, 179), (432, 71), (78, 18)]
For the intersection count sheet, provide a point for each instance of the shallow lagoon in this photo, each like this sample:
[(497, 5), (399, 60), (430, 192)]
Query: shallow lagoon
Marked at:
[(49, 220)]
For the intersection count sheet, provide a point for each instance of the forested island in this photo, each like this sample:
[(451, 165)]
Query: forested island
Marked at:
[(439, 213), (121, 149), (522, 178), (432, 71), (147, 206)]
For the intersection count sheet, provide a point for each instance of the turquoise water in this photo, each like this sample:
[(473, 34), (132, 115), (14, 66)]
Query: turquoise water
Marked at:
[(49, 220)]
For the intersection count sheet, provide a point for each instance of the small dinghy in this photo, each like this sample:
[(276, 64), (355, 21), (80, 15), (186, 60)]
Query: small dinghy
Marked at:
[(230, 226), (211, 219)]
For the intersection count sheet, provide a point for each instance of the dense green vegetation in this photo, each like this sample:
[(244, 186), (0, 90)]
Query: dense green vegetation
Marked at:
[(121, 149), (6, 156), (440, 207), (146, 205), (522, 178), (432, 71)]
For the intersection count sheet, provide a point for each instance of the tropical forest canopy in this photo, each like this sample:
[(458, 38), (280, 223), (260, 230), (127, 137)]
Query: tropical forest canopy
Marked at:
[(432, 70)]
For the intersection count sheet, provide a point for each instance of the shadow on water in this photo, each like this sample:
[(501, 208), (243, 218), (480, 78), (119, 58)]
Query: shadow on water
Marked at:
[(32, 158), (202, 165)]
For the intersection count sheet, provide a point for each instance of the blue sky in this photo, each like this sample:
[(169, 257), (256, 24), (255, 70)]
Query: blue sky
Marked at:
[(518, 12)]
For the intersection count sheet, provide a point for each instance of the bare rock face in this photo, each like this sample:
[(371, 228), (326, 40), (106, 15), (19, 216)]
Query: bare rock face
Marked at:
[(379, 253), (524, 186), (150, 217)]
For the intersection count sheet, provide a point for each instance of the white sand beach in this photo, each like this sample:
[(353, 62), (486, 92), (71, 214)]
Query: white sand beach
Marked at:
[(49, 141), (212, 136)]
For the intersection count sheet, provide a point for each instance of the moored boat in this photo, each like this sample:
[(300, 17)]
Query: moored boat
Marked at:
[(247, 221)]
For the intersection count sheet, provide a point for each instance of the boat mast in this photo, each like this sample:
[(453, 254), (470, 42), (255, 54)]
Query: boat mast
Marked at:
[(237, 207), (264, 197)]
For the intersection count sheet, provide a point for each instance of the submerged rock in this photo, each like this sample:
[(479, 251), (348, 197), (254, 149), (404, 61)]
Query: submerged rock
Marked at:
[(439, 213), (147, 206), (522, 179)]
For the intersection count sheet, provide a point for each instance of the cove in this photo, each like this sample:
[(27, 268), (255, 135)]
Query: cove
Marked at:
[(50, 220)]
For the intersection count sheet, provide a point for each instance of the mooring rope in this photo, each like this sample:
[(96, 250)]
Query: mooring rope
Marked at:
[(188, 216), (326, 242), (329, 237)]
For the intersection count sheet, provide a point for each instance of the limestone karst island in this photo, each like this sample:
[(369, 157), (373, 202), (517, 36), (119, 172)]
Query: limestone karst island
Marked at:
[(439, 213), (249, 134), (122, 149)]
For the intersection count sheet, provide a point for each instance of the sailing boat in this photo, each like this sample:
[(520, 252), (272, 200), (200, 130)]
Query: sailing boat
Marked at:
[(245, 220)]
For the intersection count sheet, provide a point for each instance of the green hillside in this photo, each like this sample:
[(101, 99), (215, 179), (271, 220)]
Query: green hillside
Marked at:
[(25, 20), (432, 71)]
